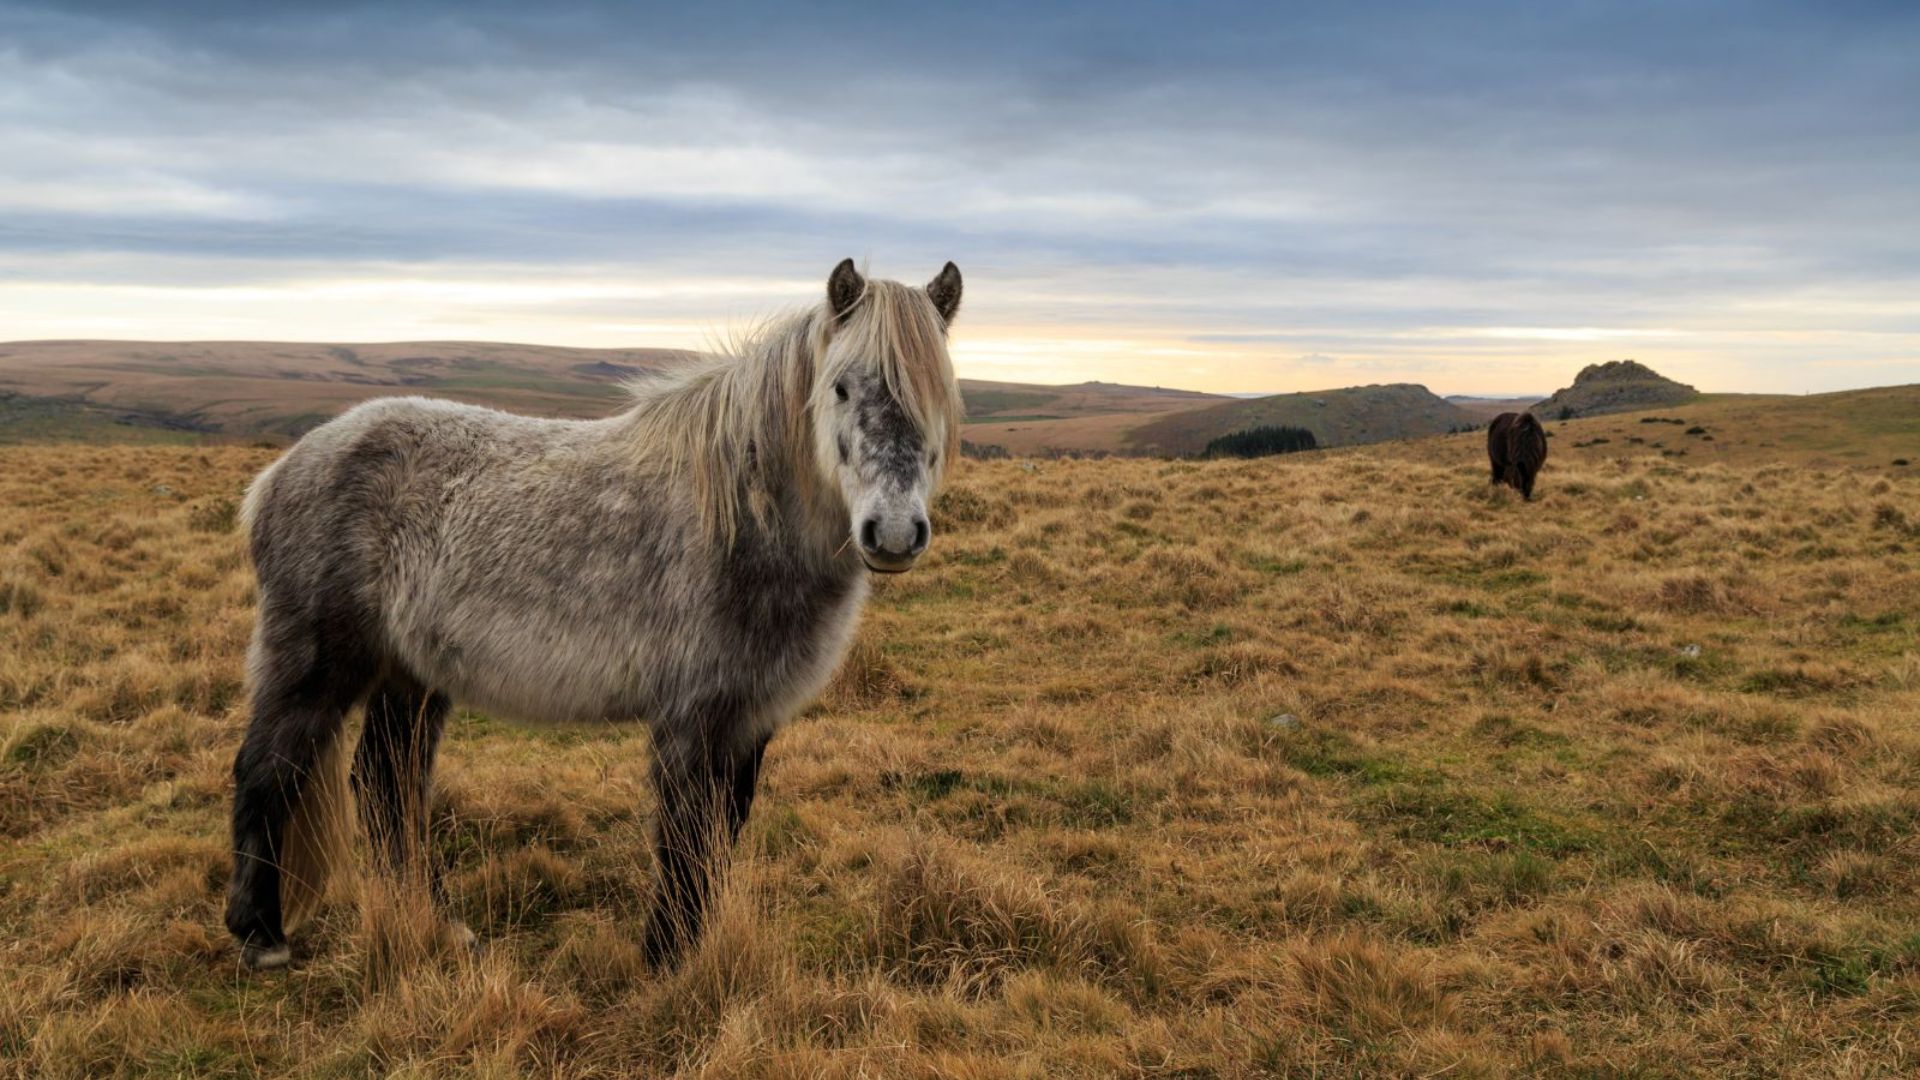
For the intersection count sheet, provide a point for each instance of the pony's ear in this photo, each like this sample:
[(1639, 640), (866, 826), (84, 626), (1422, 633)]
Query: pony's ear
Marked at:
[(944, 291), (845, 287)]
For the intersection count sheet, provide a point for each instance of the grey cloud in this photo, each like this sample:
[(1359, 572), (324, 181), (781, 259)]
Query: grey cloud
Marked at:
[(1548, 165)]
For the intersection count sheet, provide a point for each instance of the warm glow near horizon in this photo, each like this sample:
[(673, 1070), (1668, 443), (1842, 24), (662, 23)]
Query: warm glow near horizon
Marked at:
[(699, 314)]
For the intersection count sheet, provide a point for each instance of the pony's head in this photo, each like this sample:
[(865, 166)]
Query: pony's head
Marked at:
[(886, 407)]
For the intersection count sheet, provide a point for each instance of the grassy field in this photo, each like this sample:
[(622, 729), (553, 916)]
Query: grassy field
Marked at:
[(1855, 427), (1340, 765)]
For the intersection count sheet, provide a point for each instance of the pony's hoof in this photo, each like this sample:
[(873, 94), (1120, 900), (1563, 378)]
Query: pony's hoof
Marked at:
[(265, 957)]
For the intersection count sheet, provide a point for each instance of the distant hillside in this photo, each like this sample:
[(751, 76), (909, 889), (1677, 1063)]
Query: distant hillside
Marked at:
[(281, 388), (1004, 401), (1619, 386), (1346, 417), (112, 391), (173, 391)]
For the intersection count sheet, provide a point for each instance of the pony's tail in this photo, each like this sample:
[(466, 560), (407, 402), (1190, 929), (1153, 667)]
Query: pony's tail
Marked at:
[(256, 494), (319, 834)]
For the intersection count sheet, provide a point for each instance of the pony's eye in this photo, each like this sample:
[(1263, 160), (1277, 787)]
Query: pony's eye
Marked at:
[(840, 390)]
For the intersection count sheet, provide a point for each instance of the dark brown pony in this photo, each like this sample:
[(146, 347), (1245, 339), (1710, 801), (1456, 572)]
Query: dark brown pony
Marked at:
[(1517, 447)]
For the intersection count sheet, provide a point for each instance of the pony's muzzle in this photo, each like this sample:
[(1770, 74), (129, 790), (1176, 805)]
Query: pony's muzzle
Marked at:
[(892, 544)]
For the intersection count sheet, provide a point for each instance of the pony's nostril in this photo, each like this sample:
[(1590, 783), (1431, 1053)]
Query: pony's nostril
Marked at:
[(922, 532), (870, 535)]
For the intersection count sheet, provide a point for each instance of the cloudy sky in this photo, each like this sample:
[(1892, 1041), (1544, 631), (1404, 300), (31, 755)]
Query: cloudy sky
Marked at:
[(1479, 196)]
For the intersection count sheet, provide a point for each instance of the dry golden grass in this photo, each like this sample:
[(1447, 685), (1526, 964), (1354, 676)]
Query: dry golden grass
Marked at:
[(1340, 765)]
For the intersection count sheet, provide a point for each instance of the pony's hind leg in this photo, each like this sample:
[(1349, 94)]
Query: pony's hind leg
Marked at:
[(300, 703), (393, 772), (393, 784), (703, 797)]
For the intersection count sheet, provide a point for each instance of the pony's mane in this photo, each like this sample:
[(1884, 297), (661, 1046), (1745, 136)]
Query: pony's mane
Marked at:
[(740, 422)]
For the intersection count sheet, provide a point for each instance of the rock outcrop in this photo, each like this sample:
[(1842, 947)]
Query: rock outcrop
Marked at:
[(1618, 386)]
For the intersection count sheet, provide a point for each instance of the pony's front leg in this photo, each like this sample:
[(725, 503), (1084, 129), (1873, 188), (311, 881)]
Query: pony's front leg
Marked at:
[(743, 782), (702, 797)]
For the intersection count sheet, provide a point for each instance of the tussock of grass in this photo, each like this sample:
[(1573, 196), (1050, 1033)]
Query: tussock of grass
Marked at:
[(941, 917), (1334, 765)]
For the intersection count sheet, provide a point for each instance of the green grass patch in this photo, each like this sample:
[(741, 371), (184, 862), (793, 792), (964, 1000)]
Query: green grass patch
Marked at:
[(1885, 621), (1218, 634), (1640, 857), (1474, 576), (1797, 681), (1089, 804), (783, 832), (1504, 730), (1514, 579), (1329, 754), (1852, 971), (43, 746), (1497, 877), (1706, 667), (1097, 804), (1433, 813), (989, 557), (1279, 567)]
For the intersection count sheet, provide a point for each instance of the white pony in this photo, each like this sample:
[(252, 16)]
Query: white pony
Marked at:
[(696, 563)]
